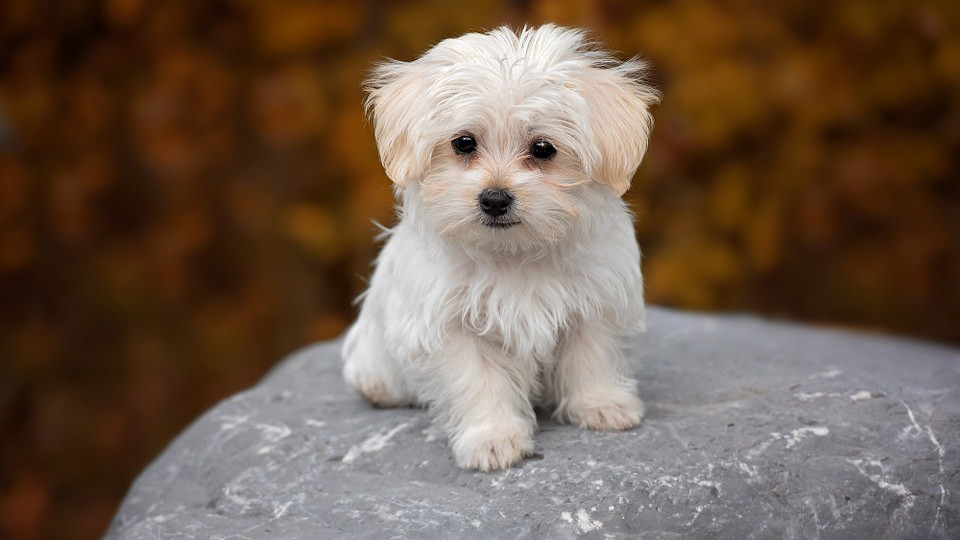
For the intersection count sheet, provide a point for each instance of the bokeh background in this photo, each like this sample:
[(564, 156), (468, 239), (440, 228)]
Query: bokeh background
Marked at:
[(186, 191)]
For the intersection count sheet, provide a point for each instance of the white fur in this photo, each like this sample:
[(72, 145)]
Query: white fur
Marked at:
[(480, 323)]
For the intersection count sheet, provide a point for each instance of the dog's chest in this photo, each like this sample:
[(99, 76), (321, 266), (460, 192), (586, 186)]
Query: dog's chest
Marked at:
[(524, 309)]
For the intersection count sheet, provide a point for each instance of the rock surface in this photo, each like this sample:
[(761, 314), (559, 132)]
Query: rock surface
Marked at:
[(753, 430)]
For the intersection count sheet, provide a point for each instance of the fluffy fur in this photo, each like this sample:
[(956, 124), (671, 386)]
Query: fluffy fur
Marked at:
[(484, 317)]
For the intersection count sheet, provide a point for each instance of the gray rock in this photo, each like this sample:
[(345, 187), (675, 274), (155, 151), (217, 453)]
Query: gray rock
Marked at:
[(753, 430)]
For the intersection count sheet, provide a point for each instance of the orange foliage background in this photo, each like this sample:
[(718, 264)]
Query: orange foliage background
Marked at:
[(186, 191)]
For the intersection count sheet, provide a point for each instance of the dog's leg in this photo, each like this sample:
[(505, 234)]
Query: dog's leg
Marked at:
[(482, 399), (371, 370), (592, 383)]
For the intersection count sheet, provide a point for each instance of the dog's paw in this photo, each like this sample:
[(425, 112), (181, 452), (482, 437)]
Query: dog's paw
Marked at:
[(379, 391), (619, 413), (382, 395), (490, 449)]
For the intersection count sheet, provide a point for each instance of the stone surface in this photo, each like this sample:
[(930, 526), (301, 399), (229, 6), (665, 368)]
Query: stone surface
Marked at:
[(753, 430)]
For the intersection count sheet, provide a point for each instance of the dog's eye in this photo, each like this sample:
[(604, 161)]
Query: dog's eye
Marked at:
[(465, 144), (542, 150)]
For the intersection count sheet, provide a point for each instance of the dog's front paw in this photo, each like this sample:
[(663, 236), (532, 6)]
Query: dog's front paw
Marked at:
[(376, 388), (620, 412), (381, 395), (489, 449)]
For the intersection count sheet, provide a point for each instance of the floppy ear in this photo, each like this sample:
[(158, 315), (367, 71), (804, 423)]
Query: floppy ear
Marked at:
[(619, 104), (395, 105)]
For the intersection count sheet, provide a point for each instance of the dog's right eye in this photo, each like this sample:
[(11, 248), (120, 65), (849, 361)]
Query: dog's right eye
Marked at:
[(465, 144)]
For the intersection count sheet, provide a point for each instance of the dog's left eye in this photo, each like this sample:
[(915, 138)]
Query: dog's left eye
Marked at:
[(542, 150), (465, 144)]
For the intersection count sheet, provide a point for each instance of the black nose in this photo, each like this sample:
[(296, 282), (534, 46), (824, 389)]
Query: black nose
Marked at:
[(496, 202)]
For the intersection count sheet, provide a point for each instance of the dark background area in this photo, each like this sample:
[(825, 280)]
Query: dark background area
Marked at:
[(186, 191)]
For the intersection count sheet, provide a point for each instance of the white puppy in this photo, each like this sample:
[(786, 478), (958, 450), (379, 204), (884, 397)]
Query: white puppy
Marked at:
[(513, 277)]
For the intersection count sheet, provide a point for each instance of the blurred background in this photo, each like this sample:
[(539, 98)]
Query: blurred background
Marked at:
[(186, 191)]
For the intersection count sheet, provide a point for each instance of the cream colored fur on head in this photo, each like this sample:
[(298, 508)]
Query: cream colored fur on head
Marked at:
[(513, 277)]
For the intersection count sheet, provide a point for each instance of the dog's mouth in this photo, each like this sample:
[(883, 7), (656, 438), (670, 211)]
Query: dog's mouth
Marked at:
[(496, 224)]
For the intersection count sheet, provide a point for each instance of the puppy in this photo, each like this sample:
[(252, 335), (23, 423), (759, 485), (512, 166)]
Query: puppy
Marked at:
[(512, 279)]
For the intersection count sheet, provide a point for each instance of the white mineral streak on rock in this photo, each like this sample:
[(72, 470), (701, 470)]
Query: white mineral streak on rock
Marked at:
[(272, 433), (230, 421), (913, 430), (881, 479), (373, 443), (941, 451), (830, 374), (697, 511), (661, 483), (237, 490), (862, 395), (792, 438), (709, 484), (748, 470), (315, 423), (585, 523), (810, 396), (281, 509), (566, 517), (798, 435)]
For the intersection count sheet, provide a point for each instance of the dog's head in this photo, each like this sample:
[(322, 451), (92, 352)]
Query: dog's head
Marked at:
[(501, 135)]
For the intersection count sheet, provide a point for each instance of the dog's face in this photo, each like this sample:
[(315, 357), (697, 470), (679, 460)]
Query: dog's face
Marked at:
[(498, 135)]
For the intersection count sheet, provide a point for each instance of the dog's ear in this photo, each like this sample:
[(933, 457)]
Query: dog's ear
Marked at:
[(619, 106), (395, 107)]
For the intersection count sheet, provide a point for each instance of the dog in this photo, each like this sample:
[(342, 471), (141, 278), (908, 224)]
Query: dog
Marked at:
[(512, 279)]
